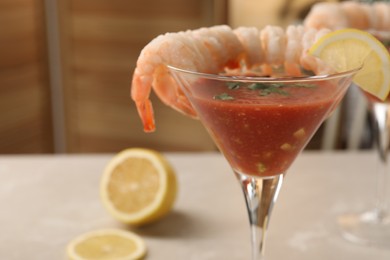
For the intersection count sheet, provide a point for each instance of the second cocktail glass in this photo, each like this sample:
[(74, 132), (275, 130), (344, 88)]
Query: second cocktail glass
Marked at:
[(372, 226), (261, 125)]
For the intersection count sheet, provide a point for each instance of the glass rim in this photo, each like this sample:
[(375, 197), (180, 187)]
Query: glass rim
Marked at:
[(288, 79)]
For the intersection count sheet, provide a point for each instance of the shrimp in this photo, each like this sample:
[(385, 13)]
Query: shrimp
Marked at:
[(310, 37), (382, 10), (273, 40), (250, 39), (326, 14), (358, 15), (294, 47), (187, 50), (364, 16), (218, 49), (151, 71), (223, 45)]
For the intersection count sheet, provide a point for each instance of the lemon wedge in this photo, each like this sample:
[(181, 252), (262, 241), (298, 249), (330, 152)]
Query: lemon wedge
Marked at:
[(107, 244), (138, 186), (347, 49)]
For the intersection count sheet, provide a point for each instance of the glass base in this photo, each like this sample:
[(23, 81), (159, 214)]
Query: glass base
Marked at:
[(367, 228)]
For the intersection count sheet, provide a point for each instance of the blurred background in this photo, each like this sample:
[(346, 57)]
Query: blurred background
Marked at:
[(66, 68)]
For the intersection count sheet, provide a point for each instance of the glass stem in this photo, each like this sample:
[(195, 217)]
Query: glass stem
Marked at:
[(260, 196), (380, 113)]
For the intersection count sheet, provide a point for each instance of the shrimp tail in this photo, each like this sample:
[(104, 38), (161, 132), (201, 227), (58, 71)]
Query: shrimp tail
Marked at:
[(140, 91), (145, 111)]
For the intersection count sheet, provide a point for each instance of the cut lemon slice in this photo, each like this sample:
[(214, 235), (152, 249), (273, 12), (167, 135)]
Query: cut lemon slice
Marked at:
[(347, 49), (138, 186), (107, 244)]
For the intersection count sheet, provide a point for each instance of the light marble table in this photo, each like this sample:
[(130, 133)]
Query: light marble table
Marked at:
[(46, 201)]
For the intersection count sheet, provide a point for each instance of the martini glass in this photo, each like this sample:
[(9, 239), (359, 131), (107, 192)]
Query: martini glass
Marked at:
[(260, 125), (372, 226)]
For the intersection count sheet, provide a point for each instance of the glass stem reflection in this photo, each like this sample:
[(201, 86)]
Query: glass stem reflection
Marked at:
[(260, 196), (381, 113)]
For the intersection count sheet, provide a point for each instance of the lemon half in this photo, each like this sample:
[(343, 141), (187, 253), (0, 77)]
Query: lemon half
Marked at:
[(138, 186), (347, 49)]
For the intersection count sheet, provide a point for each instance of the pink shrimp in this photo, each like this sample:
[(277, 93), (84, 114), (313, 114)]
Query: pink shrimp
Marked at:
[(187, 50), (294, 48), (364, 16), (310, 62), (326, 14), (150, 71), (382, 10), (223, 44), (250, 39), (273, 40), (217, 49)]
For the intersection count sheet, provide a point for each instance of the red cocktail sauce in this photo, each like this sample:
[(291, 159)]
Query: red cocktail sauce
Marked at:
[(262, 135)]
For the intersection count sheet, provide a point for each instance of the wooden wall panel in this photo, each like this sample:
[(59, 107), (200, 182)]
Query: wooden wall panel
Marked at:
[(101, 41), (25, 117)]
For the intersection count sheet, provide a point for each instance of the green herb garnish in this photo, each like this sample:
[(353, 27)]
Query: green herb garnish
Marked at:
[(262, 86), (270, 90), (307, 72), (233, 85), (223, 96), (303, 85), (265, 89), (277, 88)]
